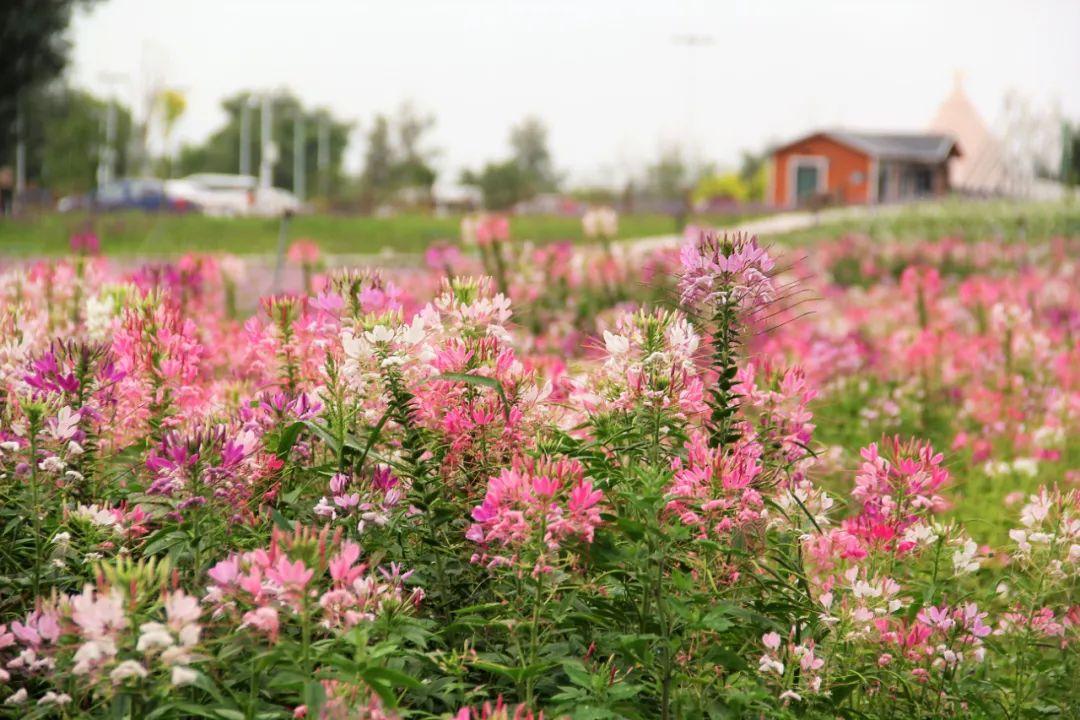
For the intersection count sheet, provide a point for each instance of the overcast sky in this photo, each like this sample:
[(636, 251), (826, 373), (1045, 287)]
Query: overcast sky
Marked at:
[(607, 76)]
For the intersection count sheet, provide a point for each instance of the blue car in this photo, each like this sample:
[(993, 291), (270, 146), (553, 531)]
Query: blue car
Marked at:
[(147, 194)]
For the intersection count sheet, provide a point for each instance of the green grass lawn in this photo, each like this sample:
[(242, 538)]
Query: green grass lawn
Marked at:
[(967, 220), (142, 234)]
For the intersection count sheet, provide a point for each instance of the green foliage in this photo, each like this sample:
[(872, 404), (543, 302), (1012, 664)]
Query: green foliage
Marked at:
[(64, 134), (528, 171), (405, 165), (221, 151), (33, 50), (155, 235)]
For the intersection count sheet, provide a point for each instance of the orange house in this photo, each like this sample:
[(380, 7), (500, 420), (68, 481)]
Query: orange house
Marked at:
[(843, 167)]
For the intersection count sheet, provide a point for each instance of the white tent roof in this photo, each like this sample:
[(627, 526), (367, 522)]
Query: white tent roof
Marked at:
[(981, 168)]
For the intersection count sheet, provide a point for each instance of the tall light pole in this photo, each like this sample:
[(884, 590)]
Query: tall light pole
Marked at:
[(245, 136), (323, 158), (269, 150), (299, 169), (106, 171)]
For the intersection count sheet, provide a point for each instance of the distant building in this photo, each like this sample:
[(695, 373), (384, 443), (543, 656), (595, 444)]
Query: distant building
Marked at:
[(983, 168), (844, 167), (550, 204)]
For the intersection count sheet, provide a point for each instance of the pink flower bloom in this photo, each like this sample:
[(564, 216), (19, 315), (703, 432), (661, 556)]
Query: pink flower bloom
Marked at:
[(263, 619), (294, 575)]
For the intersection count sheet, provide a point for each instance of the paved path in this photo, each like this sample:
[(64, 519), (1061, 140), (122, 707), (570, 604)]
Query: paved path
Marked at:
[(781, 223)]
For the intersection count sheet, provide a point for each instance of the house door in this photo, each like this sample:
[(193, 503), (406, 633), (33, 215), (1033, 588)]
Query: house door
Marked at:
[(806, 182)]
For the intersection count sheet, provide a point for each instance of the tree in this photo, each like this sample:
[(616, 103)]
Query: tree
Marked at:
[(33, 51), (503, 184), (221, 151), (528, 141), (412, 168), (729, 186), (1070, 154), (525, 173), (668, 178), (378, 177), (64, 147), (392, 167)]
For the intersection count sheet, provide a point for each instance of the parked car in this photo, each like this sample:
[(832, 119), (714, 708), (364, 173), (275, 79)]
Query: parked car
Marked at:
[(126, 194), (232, 195)]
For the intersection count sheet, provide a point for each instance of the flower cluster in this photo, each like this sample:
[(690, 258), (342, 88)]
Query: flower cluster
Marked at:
[(531, 510)]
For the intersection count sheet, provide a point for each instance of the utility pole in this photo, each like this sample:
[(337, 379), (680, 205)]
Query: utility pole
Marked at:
[(324, 155), (106, 171), (269, 151), (245, 136), (299, 169)]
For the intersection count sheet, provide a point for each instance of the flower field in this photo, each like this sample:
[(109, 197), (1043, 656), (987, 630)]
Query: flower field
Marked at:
[(721, 480)]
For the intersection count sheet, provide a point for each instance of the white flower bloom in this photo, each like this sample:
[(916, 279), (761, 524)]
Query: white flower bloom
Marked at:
[(17, 698), (964, 559), (616, 344), (127, 669), (154, 636), (52, 698), (183, 675)]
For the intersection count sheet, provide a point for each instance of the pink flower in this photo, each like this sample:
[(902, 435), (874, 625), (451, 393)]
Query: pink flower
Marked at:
[(294, 575), (303, 251), (263, 619), (528, 506)]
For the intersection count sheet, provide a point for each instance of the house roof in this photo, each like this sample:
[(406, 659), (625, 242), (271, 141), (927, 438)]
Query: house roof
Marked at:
[(915, 147)]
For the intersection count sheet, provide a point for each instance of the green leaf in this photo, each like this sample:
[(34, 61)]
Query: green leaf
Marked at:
[(314, 697), (164, 542), (288, 438)]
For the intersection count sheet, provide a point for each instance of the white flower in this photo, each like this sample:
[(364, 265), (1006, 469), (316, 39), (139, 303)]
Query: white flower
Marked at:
[(67, 422), (52, 698), (189, 634), (127, 669), (1037, 510), (616, 344), (379, 333), (154, 635), (52, 464), (17, 698), (91, 653), (965, 560), (920, 534), (183, 675), (767, 664), (1026, 466), (1048, 437), (62, 538), (1020, 538)]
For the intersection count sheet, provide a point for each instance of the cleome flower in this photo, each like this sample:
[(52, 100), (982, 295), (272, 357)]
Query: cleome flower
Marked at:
[(531, 511)]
